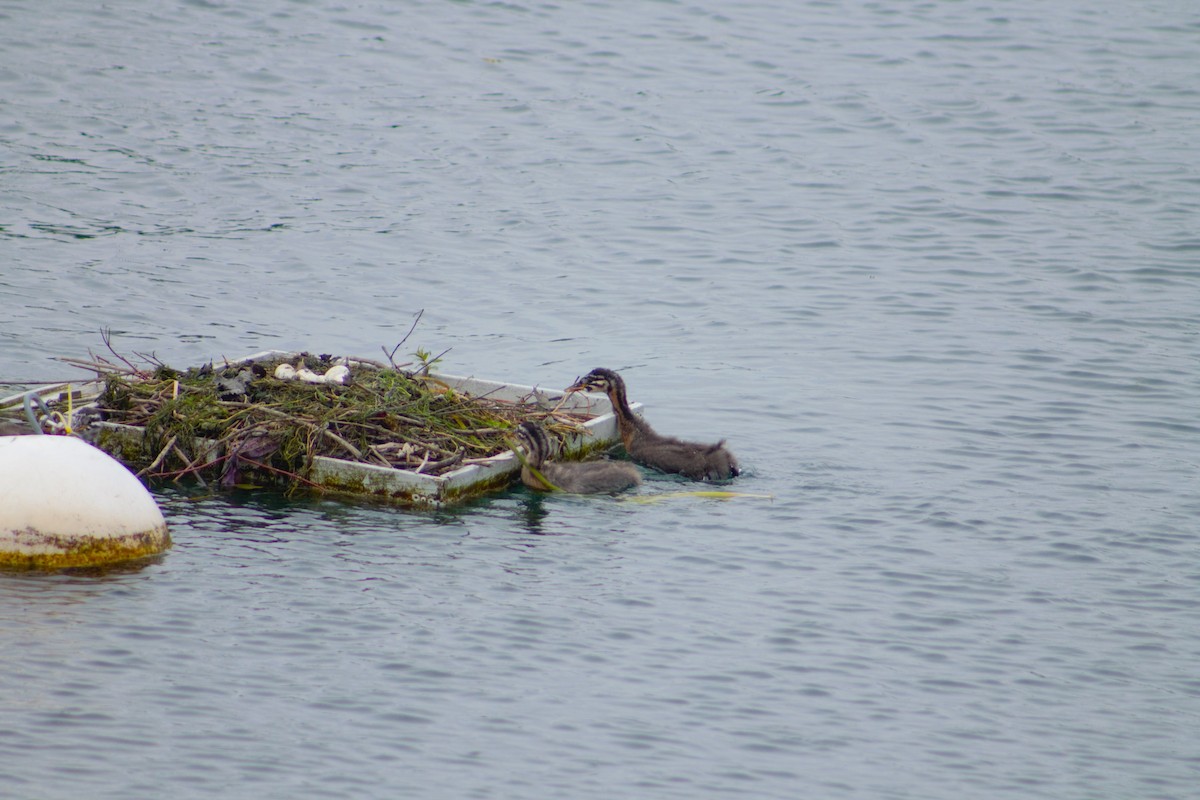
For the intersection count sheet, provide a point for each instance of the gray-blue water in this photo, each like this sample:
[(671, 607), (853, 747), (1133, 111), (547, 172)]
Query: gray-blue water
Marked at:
[(932, 269)]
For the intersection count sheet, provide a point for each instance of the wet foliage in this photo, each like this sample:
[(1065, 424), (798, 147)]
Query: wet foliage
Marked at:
[(218, 421)]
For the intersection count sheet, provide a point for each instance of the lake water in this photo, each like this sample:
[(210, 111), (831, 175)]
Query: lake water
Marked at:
[(932, 269)]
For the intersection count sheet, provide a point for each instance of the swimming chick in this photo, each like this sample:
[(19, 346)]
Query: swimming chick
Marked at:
[(697, 461), (579, 477)]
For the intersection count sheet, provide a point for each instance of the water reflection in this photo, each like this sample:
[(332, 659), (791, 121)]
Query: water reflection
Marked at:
[(533, 505), (25, 583)]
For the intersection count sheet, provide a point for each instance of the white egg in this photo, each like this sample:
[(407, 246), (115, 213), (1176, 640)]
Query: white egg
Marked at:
[(308, 376)]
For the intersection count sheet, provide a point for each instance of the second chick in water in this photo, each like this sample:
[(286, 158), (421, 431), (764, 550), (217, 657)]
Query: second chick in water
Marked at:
[(579, 477)]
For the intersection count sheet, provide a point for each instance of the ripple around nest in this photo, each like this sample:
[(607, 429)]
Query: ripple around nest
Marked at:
[(951, 322)]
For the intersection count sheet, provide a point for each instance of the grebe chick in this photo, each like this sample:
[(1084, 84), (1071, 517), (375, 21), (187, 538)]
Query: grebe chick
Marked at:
[(579, 477), (701, 462)]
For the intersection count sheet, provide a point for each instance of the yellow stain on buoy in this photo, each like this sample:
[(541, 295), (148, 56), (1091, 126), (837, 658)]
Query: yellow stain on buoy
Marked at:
[(64, 503)]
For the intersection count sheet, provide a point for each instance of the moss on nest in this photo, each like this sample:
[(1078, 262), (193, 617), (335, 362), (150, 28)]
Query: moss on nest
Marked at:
[(383, 416)]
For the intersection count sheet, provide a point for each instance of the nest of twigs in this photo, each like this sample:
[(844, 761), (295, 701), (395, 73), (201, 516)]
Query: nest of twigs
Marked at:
[(384, 416)]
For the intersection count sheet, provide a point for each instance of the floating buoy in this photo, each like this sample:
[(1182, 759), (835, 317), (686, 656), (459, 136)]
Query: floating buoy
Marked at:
[(64, 503)]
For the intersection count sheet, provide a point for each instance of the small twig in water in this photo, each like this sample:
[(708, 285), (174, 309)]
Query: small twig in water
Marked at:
[(161, 456), (191, 467), (282, 472)]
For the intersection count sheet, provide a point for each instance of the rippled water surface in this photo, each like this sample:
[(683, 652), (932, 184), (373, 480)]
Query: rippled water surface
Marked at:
[(932, 269)]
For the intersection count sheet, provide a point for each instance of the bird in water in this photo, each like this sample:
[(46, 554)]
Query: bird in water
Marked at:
[(579, 477), (701, 462)]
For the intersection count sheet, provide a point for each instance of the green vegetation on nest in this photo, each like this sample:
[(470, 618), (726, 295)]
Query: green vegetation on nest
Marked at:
[(384, 416)]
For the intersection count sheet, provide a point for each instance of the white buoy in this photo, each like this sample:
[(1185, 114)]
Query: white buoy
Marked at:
[(64, 503)]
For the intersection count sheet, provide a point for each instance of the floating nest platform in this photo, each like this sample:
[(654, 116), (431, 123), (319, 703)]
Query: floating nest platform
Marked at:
[(406, 437)]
